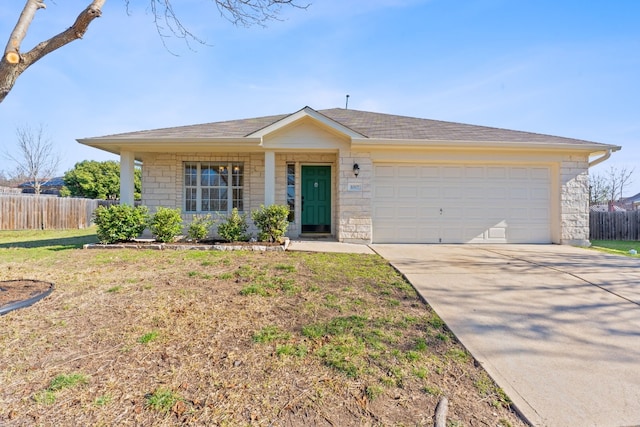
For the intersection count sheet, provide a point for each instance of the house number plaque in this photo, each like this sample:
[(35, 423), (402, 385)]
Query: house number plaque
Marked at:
[(354, 186)]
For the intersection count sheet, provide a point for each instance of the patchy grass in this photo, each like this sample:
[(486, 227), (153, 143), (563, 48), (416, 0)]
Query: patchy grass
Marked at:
[(247, 338), (60, 382), (162, 399), (148, 337), (618, 247)]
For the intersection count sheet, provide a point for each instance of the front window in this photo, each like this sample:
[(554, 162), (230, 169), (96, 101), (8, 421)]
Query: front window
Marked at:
[(213, 187)]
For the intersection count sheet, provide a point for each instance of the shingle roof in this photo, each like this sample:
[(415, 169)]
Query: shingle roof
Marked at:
[(370, 125), (387, 126), (53, 182), (226, 129)]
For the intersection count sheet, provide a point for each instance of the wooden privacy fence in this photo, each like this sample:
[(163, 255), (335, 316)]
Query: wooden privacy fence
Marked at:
[(614, 225), (30, 212)]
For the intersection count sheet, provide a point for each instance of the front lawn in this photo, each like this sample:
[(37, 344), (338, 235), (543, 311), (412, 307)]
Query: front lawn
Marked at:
[(618, 247), (141, 337)]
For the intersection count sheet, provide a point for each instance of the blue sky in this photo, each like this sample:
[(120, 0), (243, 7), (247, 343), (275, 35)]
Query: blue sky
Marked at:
[(567, 68)]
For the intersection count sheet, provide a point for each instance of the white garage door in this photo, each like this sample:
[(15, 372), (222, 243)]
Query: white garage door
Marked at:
[(422, 203)]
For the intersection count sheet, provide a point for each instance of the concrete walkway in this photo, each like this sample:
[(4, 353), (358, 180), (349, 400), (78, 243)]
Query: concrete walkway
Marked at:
[(557, 327)]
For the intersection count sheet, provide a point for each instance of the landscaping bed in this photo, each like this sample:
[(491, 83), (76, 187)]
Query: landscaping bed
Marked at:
[(15, 294), (200, 246)]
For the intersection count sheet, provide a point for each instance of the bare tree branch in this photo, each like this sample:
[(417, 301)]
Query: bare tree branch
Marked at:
[(609, 186), (12, 51), (167, 21), (14, 63), (598, 189), (35, 156)]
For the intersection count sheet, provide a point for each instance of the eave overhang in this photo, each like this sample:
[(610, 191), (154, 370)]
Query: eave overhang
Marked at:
[(179, 145), (412, 144)]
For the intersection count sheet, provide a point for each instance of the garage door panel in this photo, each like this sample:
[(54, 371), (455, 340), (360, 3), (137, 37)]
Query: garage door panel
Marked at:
[(384, 192), (539, 193), (408, 172), (425, 203), (498, 232), (496, 172), (452, 192), (474, 172), (518, 173), (452, 172), (543, 174), (408, 191), (430, 192), (539, 215), (384, 171), (430, 172), (496, 193)]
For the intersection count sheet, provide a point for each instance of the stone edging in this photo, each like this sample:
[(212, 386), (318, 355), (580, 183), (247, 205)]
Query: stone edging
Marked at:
[(194, 247)]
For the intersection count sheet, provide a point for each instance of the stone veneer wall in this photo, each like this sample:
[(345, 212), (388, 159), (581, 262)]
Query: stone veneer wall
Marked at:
[(159, 181), (163, 177), (574, 200), (354, 207)]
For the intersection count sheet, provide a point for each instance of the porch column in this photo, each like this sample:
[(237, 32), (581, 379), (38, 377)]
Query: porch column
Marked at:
[(127, 188), (269, 178)]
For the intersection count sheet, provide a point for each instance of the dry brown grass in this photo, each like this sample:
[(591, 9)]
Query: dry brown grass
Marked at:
[(217, 338)]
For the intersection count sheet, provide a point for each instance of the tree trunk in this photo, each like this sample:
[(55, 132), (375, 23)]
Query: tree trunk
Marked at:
[(8, 75), (13, 62)]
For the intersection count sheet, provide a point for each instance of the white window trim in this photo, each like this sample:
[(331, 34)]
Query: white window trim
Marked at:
[(199, 187)]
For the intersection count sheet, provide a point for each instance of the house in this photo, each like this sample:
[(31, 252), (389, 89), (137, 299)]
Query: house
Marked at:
[(367, 177), (47, 186), (609, 207), (631, 203)]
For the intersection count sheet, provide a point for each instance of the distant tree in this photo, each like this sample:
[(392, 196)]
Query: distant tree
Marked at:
[(598, 190), (609, 186), (35, 156), (14, 62), (98, 180), (11, 180)]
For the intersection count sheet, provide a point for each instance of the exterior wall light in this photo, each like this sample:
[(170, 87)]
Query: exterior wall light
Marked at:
[(356, 169)]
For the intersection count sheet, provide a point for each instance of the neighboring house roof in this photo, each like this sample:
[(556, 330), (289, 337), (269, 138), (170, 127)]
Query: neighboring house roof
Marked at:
[(361, 126), (53, 182), (632, 199)]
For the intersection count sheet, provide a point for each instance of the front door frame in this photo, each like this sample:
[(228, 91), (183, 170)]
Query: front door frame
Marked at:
[(332, 198)]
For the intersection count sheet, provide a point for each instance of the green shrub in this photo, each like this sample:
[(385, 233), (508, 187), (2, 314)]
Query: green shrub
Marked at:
[(234, 227), (272, 221), (199, 227), (120, 223), (166, 224)]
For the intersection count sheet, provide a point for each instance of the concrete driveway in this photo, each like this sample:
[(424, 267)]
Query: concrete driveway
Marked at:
[(557, 327)]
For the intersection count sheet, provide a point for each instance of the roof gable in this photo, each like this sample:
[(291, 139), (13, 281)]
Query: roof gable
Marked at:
[(303, 114)]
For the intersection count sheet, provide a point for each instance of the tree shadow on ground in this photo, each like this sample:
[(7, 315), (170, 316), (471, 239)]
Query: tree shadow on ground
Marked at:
[(59, 244)]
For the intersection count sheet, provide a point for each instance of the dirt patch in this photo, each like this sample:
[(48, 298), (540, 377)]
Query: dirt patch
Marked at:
[(12, 291), (232, 338)]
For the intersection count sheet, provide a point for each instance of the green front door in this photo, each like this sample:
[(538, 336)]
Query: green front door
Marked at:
[(316, 199)]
